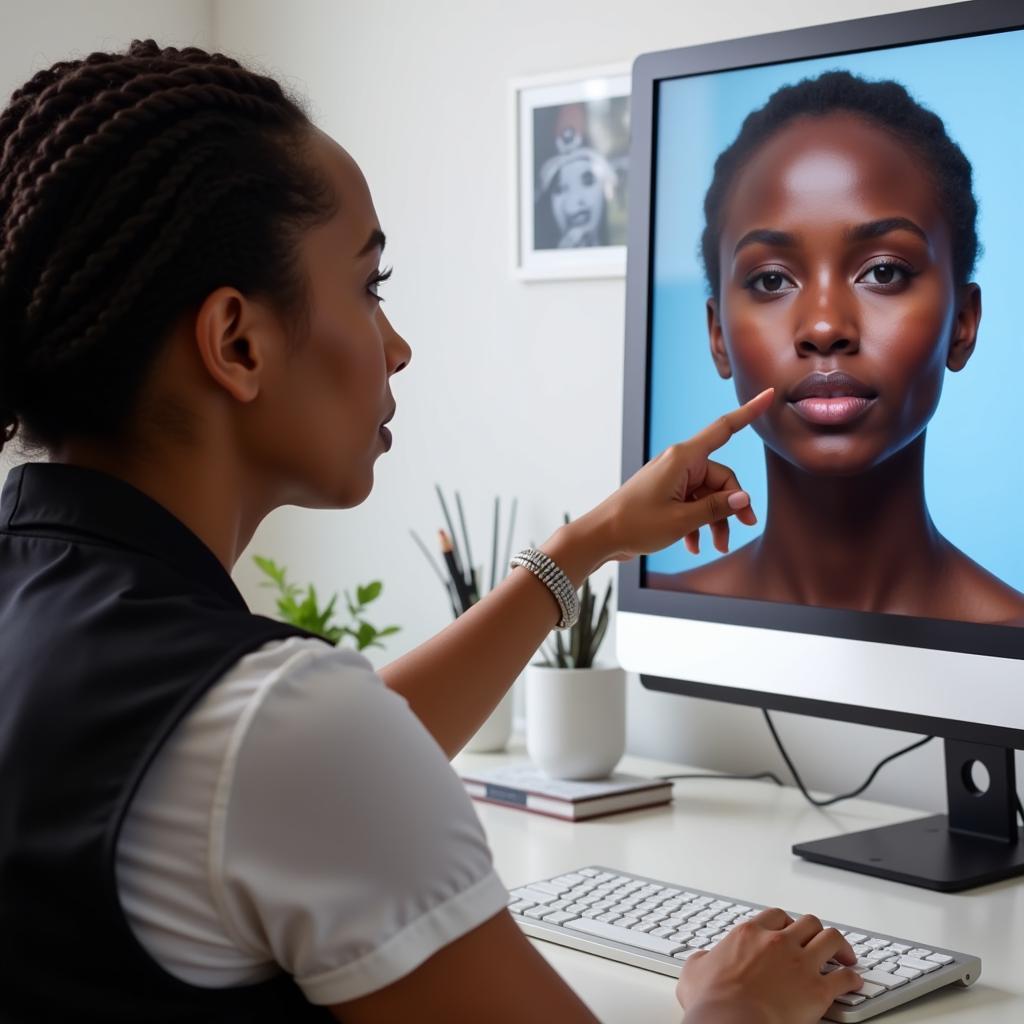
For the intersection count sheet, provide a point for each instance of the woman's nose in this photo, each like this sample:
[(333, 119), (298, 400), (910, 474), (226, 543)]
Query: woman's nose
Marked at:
[(826, 323), (397, 351)]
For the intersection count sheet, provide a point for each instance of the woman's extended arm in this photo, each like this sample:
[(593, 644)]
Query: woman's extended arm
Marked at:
[(767, 971), (453, 681)]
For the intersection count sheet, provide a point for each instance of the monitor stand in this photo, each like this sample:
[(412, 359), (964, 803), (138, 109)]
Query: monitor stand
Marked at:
[(978, 842)]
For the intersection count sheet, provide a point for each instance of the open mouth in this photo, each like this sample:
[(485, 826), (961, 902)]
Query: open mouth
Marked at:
[(831, 399)]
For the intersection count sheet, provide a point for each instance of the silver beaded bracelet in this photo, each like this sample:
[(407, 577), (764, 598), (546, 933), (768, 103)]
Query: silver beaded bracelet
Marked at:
[(555, 580)]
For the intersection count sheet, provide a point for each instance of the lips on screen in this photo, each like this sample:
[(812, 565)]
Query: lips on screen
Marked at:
[(841, 262)]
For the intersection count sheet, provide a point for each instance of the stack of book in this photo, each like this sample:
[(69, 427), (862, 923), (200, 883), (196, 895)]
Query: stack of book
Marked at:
[(524, 787)]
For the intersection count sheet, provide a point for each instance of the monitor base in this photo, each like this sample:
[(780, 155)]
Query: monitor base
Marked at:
[(925, 853)]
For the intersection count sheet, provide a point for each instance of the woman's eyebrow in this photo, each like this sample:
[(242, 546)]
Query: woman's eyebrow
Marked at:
[(877, 228), (375, 241)]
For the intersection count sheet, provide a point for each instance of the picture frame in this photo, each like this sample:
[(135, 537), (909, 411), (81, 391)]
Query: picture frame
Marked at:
[(570, 165)]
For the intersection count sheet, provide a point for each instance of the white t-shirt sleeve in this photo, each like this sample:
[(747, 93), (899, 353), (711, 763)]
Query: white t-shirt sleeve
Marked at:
[(343, 846)]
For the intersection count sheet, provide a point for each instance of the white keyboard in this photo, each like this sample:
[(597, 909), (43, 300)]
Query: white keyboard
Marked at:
[(657, 926)]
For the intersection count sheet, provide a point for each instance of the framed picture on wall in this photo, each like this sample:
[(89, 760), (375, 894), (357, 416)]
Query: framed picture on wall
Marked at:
[(570, 135)]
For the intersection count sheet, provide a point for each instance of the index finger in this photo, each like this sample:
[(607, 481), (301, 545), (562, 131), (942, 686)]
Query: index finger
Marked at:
[(716, 434)]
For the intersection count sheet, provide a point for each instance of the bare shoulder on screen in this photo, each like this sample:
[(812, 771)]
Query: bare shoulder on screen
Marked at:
[(731, 575), (974, 594)]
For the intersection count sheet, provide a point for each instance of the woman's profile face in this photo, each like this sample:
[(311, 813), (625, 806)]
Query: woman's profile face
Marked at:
[(837, 289), (577, 198), (326, 397)]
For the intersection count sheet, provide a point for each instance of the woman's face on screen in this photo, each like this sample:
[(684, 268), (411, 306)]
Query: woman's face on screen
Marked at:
[(837, 290)]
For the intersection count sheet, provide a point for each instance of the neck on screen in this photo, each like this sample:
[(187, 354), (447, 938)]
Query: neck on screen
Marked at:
[(865, 541)]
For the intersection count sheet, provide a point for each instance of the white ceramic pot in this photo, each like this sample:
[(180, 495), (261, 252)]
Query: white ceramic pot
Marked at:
[(575, 720), (494, 734)]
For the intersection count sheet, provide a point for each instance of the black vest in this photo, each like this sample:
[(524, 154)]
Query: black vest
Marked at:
[(114, 620)]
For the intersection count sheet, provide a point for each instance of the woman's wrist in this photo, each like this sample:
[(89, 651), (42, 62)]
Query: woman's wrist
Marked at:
[(726, 1011), (578, 549)]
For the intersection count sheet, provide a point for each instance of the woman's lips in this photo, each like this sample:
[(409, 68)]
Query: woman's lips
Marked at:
[(386, 437), (831, 399), (832, 412)]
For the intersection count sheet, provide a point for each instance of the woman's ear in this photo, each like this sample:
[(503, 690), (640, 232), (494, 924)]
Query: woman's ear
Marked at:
[(719, 355), (228, 340), (965, 328)]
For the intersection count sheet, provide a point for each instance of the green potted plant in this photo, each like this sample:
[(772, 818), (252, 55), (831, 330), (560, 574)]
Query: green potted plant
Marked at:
[(304, 610)]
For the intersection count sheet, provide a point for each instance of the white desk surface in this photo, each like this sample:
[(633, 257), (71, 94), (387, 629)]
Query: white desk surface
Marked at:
[(734, 838)]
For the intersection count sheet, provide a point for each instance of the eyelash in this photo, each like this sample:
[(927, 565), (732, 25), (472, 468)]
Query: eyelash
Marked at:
[(888, 261), (378, 279)]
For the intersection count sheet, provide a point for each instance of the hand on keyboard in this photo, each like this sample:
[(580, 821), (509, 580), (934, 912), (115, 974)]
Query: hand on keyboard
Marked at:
[(768, 971)]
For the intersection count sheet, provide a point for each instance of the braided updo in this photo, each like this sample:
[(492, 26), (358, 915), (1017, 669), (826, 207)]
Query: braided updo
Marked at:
[(131, 186)]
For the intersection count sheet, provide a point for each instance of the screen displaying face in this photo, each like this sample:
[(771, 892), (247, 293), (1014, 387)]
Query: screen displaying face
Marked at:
[(834, 228)]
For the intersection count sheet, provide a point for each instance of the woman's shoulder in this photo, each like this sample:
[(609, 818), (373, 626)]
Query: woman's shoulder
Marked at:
[(980, 595), (728, 576)]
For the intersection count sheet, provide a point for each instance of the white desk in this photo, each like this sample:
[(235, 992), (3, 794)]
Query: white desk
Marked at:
[(734, 838)]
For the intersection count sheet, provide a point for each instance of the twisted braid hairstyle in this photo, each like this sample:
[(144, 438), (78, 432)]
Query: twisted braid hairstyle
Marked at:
[(884, 103), (131, 186)]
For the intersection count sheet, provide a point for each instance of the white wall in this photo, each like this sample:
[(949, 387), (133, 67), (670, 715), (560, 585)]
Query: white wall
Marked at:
[(37, 33)]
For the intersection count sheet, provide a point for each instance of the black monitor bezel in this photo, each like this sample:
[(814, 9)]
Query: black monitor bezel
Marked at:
[(952, 21)]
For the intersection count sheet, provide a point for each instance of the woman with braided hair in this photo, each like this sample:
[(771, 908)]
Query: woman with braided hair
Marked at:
[(206, 815)]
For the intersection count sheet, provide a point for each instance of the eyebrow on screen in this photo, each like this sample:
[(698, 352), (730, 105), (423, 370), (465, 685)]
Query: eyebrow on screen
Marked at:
[(861, 233), (766, 236), (375, 241), (877, 228)]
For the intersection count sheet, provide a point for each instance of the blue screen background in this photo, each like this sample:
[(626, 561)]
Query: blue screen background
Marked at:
[(974, 468)]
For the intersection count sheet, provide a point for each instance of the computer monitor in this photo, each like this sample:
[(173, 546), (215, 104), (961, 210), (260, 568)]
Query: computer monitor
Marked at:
[(795, 224)]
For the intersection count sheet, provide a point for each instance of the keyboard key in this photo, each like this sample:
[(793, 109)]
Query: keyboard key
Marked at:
[(899, 947), (919, 965), (940, 958), (537, 912), (589, 872), (609, 931), (520, 905), (555, 888), (907, 972), (851, 999), (684, 954), (870, 991), (854, 937), (883, 979), (920, 953), (559, 917), (573, 878), (534, 895)]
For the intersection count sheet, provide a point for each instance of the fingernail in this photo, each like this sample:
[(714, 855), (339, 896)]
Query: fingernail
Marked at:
[(738, 499)]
